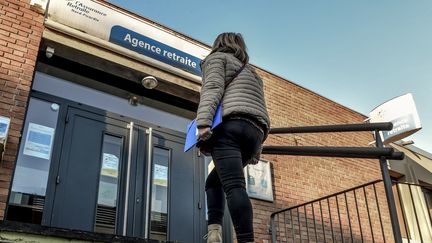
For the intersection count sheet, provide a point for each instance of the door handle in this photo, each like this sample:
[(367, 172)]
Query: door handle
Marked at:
[(149, 168), (131, 127)]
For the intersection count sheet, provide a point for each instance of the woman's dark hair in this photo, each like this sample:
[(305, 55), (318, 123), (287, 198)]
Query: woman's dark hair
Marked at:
[(232, 43)]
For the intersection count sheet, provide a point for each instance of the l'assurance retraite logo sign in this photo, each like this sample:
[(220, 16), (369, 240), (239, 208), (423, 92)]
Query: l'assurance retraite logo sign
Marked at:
[(109, 24)]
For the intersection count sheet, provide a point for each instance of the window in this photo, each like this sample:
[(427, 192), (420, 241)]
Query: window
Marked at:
[(159, 194), (106, 209), (29, 185), (427, 191)]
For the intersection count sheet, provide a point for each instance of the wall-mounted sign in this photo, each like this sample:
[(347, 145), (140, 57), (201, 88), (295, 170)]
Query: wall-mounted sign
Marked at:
[(113, 25), (402, 112), (154, 49), (39, 141), (259, 181), (4, 128)]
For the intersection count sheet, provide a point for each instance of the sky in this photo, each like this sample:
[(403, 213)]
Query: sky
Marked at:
[(356, 53)]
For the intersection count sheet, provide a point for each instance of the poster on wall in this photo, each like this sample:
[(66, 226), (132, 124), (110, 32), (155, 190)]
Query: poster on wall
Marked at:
[(259, 181), (160, 176), (39, 141), (4, 127), (110, 164)]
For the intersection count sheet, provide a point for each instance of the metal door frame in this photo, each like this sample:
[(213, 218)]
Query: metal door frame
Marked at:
[(199, 198)]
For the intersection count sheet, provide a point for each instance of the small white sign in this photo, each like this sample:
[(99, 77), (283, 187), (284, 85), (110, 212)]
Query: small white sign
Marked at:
[(39, 141), (160, 175), (110, 165), (402, 112), (4, 127), (259, 181)]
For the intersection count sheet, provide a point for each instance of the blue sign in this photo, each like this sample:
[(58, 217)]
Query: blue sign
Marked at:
[(155, 49)]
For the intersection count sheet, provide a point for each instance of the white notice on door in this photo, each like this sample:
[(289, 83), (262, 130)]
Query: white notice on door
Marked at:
[(110, 165), (39, 141)]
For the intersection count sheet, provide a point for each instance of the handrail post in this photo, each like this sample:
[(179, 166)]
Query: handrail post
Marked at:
[(389, 192), (273, 228)]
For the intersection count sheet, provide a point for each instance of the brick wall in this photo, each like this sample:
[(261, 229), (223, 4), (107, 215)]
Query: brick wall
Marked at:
[(302, 179), (20, 34)]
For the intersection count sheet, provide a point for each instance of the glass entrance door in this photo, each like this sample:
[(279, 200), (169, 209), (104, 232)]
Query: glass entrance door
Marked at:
[(119, 177), (92, 191), (104, 172)]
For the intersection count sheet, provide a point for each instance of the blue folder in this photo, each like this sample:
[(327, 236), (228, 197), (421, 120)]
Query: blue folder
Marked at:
[(192, 130)]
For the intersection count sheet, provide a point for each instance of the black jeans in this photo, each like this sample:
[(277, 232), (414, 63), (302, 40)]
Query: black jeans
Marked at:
[(233, 144)]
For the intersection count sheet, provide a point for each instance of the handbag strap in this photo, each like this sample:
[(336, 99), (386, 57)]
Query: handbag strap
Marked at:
[(235, 75)]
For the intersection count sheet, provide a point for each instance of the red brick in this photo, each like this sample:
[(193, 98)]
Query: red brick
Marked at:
[(24, 87), (10, 67), (15, 58), (20, 4), (4, 189), (29, 20), (28, 73), (21, 98), (4, 60), (7, 39), (18, 53), (23, 34), (8, 29), (28, 12), (19, 109), (37, 29), (33, 46), (7, 101), (11, 15), (35, 42), (3, 43), (5, 177), (10, 90), (11, 81), (8, 21), (19, 27), (30, 62), (21, 43), (15, 63), (6, 49), (18, 37), (13, 11), (8, 96), (27, 67), (4, 33), (26, 79), (13, 73)]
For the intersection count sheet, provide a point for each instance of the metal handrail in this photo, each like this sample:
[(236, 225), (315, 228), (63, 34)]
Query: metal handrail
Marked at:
[(323, 198), (379, 126), (346, 152), (379, 152), (286, 230), (310, 228)]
